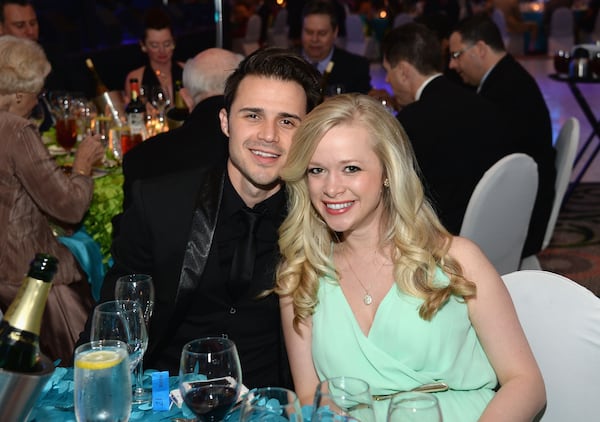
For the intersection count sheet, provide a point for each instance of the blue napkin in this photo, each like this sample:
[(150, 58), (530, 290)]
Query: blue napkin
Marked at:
[(87, 253)]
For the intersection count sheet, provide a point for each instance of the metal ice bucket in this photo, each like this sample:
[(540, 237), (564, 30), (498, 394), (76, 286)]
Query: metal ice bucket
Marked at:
[(19, 391), (111, 104)]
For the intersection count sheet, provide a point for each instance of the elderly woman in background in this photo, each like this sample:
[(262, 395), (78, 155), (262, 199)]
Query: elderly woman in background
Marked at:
[(33, 190)]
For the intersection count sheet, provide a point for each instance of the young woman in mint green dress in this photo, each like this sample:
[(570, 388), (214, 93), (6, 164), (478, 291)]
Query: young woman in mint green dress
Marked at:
[(372, 285)]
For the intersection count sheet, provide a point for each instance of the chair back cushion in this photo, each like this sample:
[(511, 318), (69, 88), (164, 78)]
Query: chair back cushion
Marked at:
[(561, 320), (499, 210), (566, 145)]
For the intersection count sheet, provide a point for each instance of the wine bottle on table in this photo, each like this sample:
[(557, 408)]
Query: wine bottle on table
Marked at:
[(105, 102), (177, 115), (20, 328), (136, 117)]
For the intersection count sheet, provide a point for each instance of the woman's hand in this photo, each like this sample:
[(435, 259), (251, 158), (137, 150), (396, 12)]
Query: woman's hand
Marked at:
[(89, 152)]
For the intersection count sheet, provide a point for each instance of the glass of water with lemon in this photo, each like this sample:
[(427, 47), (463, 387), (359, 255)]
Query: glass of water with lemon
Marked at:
[(102, 382)]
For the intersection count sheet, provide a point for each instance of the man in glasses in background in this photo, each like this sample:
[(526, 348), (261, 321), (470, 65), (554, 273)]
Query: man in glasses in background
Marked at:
[(478, 54), (456, 135)]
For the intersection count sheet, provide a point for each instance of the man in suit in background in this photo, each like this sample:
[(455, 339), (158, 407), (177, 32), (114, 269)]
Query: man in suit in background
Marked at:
[(187, 229), (478, 54), (342, 71), (18, 18), (200, 140), (456, 135)]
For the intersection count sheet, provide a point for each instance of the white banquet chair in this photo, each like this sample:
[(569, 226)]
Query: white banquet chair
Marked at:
[(562, 32), (251, 41), (499, 210), (561, 320), (278, 34), (566, 145)]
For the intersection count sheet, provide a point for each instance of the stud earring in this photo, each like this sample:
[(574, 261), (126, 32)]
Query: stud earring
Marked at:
[(386, 182)]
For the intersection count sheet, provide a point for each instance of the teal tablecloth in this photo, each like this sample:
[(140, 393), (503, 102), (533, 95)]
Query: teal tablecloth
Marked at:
[(56, 402)]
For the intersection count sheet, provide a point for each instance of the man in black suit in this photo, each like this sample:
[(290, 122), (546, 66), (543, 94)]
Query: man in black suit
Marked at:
[(183, 228), (342, 71), (456, 135), (204, 78), (478, 55)]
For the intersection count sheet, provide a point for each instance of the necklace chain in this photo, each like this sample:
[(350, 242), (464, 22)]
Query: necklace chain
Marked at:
[(367, 298)]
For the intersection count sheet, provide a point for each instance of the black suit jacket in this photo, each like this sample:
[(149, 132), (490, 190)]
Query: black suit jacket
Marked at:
[(456, 136), (516, 94), (198, 142), (349, 70), (167, 232)]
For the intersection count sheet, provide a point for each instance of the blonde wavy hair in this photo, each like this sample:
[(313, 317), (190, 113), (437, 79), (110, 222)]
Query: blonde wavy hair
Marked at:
[(23, 65), (419, 241)]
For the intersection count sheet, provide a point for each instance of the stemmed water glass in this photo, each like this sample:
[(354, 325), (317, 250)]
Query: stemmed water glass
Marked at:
[(139, 288), (270, 404), (342, 397), (160, 100), (210, 377), (414, 407), (121, 320)]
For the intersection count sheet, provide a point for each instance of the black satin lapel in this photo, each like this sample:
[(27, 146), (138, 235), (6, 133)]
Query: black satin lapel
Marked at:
[(208, 202)]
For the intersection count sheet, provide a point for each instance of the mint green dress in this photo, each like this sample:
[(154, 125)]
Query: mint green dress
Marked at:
[(403, 351)]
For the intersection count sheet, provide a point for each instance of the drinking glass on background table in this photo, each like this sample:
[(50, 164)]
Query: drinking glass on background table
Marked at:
[(102, 383), (210, 377), (139, 288), (270, 404), (414, 407), (562, 59), (160, 100), (122, 320), (343, 396), (66, 131)]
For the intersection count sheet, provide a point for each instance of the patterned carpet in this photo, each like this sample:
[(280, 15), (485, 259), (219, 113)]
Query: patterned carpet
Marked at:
[(575, 247)]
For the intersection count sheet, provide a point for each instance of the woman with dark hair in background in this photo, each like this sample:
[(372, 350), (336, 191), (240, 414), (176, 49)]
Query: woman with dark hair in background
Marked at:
[(158, 43)]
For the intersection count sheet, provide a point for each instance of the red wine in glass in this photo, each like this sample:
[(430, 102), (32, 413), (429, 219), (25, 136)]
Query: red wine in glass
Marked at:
[(210, 377), (211, 403), (66, 132)]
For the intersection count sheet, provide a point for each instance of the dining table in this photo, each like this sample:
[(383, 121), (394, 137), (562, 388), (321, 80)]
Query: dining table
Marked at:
[(593, 119), (56, 403)]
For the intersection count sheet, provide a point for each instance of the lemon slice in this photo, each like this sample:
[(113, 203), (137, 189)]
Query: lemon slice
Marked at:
[(100, 359)]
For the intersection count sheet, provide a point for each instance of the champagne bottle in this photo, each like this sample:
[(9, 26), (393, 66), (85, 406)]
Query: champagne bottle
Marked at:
[(103, 99), (177, 115), (20, 328), (136, 113)]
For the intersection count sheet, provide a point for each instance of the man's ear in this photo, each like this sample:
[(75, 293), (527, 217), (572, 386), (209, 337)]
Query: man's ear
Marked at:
[(187, 98), (224, 122)]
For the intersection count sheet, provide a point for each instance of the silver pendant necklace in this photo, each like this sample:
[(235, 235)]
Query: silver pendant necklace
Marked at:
[(367, 298)]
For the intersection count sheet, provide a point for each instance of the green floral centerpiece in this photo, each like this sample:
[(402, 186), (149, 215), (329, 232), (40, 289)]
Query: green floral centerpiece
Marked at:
[(106, 203)]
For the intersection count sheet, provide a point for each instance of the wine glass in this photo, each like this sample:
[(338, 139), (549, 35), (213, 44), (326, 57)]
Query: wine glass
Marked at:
[(343, 396), (66, 123), (160, 100), (270, 404), (210, 377), (414, 407), (139, 288), (121, 320)]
